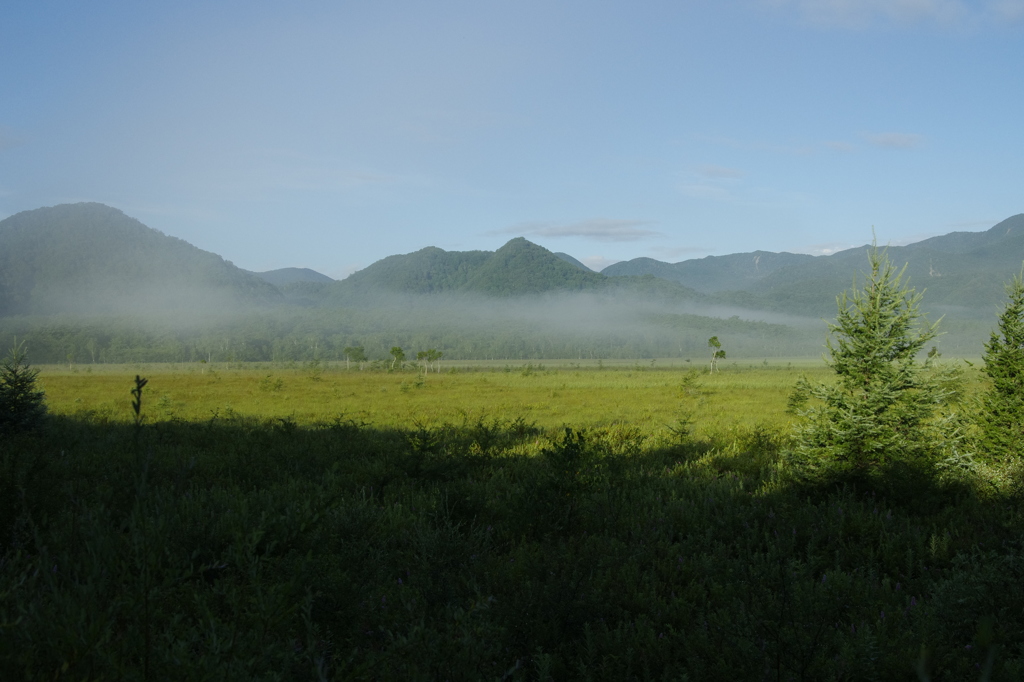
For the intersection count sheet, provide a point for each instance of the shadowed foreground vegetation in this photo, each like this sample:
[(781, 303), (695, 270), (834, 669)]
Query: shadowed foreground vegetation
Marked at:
[(253, 548)]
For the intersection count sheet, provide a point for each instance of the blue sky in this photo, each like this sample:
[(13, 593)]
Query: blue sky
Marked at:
[(330, 135)]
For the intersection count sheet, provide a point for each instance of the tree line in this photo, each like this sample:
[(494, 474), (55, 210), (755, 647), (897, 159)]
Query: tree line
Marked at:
[(315, 334)]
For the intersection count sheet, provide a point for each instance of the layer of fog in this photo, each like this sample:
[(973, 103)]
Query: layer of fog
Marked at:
[(565, 324), (563, 312), (167, 304)]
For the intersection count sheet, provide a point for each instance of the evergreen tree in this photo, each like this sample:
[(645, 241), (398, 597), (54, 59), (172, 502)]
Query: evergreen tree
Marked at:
[(1002, 416), (21, 403), (878, 409)]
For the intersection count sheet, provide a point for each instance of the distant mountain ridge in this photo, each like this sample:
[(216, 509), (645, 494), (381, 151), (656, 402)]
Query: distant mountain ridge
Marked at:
[(738, 271), (963, 272)]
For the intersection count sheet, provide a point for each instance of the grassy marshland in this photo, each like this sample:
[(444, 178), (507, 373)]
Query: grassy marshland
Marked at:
[(548, 394), (544, 522)]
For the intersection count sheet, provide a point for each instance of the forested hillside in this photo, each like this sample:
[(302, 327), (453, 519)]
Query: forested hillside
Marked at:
[(517, 268), (737, 271), (963, 272), (569, 259), (91, 258)]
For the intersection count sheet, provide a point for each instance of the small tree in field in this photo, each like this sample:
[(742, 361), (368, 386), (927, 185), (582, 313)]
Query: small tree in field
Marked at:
[(716, 352), (879, 409), (355, 354), (21, 403), (1001, 420), (434, 356), (399, 355)]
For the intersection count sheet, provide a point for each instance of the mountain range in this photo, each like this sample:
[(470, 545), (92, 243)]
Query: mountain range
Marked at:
[(93, 259), (963, 273)]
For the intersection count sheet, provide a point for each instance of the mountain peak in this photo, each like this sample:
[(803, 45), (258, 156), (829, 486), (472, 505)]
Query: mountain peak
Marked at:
[(89, 257)]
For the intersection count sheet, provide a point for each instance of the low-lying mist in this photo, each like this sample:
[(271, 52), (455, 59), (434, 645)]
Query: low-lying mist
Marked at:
[(194, 324)]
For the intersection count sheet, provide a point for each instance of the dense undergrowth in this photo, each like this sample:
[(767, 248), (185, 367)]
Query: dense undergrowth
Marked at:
[(259, 549)]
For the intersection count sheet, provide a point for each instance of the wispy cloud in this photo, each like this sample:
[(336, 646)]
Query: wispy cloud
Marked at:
[(866, 13), (825, 249), (704, 191), (861, 14), (839, 146), (720, 172), (1007, 10), (711, 181), (799, 149), (599, 229), (894, 140)]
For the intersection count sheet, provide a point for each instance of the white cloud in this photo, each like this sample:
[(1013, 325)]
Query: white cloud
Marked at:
[(826, 249), (599, 229), (894, 140), (598, 263)]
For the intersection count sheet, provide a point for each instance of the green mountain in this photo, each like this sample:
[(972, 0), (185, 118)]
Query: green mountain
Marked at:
[(58, 264), (522, 267), (738, 271), (427, 271), (285, 276), (517, 268), (90, 258), (569, 259), (963, 273)]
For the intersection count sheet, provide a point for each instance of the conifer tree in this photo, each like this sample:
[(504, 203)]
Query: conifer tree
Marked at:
[(1002, 416), (877, 410), (21, 402)]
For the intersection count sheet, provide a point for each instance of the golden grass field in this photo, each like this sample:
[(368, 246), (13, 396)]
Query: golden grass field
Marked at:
[(550, 394)]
